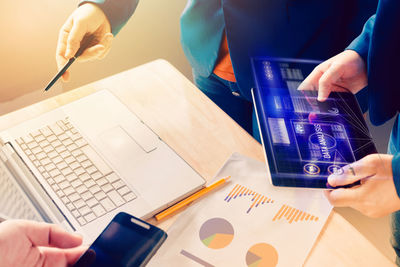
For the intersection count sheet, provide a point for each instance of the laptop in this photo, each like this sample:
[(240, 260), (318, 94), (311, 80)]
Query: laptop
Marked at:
[(81, 164), (305, 140)]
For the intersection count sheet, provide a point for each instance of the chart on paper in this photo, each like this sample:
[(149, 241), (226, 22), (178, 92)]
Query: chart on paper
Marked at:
[(246, 222), (262, 255), (216, 233), (255, 199), (293, 215)]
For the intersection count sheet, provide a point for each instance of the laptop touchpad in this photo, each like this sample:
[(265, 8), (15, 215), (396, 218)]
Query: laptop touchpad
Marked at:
[(121, 147)]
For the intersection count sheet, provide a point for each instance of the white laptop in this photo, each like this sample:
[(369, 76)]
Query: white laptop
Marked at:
[(82, 163)]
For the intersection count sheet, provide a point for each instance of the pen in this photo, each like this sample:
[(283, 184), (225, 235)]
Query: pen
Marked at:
[(190, 199), (85, 43)]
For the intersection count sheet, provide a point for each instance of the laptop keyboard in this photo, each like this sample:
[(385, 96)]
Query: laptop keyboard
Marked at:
[(78, 175), (12, 201)]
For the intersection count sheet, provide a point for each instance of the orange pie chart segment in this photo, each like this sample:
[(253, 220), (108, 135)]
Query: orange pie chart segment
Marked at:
[(216, 233), (262, 255)]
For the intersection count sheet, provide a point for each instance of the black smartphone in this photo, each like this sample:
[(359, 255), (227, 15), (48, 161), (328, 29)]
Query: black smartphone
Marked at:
[(126, 241)]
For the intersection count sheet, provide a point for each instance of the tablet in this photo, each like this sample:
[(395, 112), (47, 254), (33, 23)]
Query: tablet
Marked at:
[(305, 140)]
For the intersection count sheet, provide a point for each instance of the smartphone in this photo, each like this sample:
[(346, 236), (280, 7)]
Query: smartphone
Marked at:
[(126, 241)]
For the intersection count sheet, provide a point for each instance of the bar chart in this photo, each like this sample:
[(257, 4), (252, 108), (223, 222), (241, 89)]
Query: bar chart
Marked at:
[(256, 199), (293, 215)]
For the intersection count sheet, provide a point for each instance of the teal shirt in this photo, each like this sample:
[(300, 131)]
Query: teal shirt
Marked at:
[(200, 42)]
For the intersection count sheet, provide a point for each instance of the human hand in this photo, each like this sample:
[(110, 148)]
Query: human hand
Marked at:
[(88, 19), (29, 243), (376, 196), (343, 72)]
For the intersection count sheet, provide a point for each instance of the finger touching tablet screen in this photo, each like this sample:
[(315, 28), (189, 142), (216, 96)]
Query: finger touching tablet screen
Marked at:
[(305, 140)]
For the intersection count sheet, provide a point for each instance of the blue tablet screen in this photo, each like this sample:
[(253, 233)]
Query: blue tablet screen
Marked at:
[(305, 140)]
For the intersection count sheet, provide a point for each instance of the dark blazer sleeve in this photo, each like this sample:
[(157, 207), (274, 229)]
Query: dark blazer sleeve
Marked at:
[(396, 172), (118, 12), (362, 43)]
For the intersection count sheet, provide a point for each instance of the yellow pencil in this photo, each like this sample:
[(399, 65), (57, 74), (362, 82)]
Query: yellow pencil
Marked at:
[(190, 199)]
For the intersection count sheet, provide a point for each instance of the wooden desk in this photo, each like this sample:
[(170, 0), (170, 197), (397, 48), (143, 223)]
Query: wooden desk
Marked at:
[(205, 137)]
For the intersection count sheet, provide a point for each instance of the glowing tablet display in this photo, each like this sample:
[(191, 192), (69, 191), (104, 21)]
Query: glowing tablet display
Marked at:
[(305, 140)]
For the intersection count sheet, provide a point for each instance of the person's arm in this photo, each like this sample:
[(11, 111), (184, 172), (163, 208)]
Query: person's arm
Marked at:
[(362, 42), (345, 70), (95, 18), (118, 12), (396, 172)]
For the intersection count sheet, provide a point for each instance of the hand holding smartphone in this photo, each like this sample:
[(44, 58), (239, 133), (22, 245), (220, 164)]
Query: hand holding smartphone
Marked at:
[(127, 241)]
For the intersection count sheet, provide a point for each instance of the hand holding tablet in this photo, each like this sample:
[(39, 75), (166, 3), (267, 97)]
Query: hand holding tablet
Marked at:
[(305, 140)]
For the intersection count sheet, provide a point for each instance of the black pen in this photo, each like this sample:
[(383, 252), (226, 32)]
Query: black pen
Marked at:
[(85, 43)]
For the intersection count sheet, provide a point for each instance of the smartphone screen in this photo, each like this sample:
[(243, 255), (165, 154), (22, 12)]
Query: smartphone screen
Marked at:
[(126, 241)]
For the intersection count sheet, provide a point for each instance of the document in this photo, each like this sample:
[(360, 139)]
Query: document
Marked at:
[(247, 222)]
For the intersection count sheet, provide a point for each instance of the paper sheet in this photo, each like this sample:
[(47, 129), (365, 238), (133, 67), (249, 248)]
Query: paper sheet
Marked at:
[(247, 222)]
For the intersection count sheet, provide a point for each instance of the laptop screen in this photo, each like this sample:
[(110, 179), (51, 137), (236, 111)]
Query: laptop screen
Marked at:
[(305, 140)]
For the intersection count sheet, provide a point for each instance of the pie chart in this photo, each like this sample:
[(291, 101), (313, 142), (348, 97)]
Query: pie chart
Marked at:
[(262, 255), (216, 233)]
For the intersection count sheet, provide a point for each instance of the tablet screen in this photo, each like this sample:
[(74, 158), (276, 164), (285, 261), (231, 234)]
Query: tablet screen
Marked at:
[(305, 140)]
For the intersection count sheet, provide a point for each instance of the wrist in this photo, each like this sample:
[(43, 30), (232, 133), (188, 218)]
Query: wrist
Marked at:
[(95, 11)]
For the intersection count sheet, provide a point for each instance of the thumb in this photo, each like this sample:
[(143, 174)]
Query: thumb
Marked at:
[(328, 81), (60, 257), (75, 37), (342, 197)]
